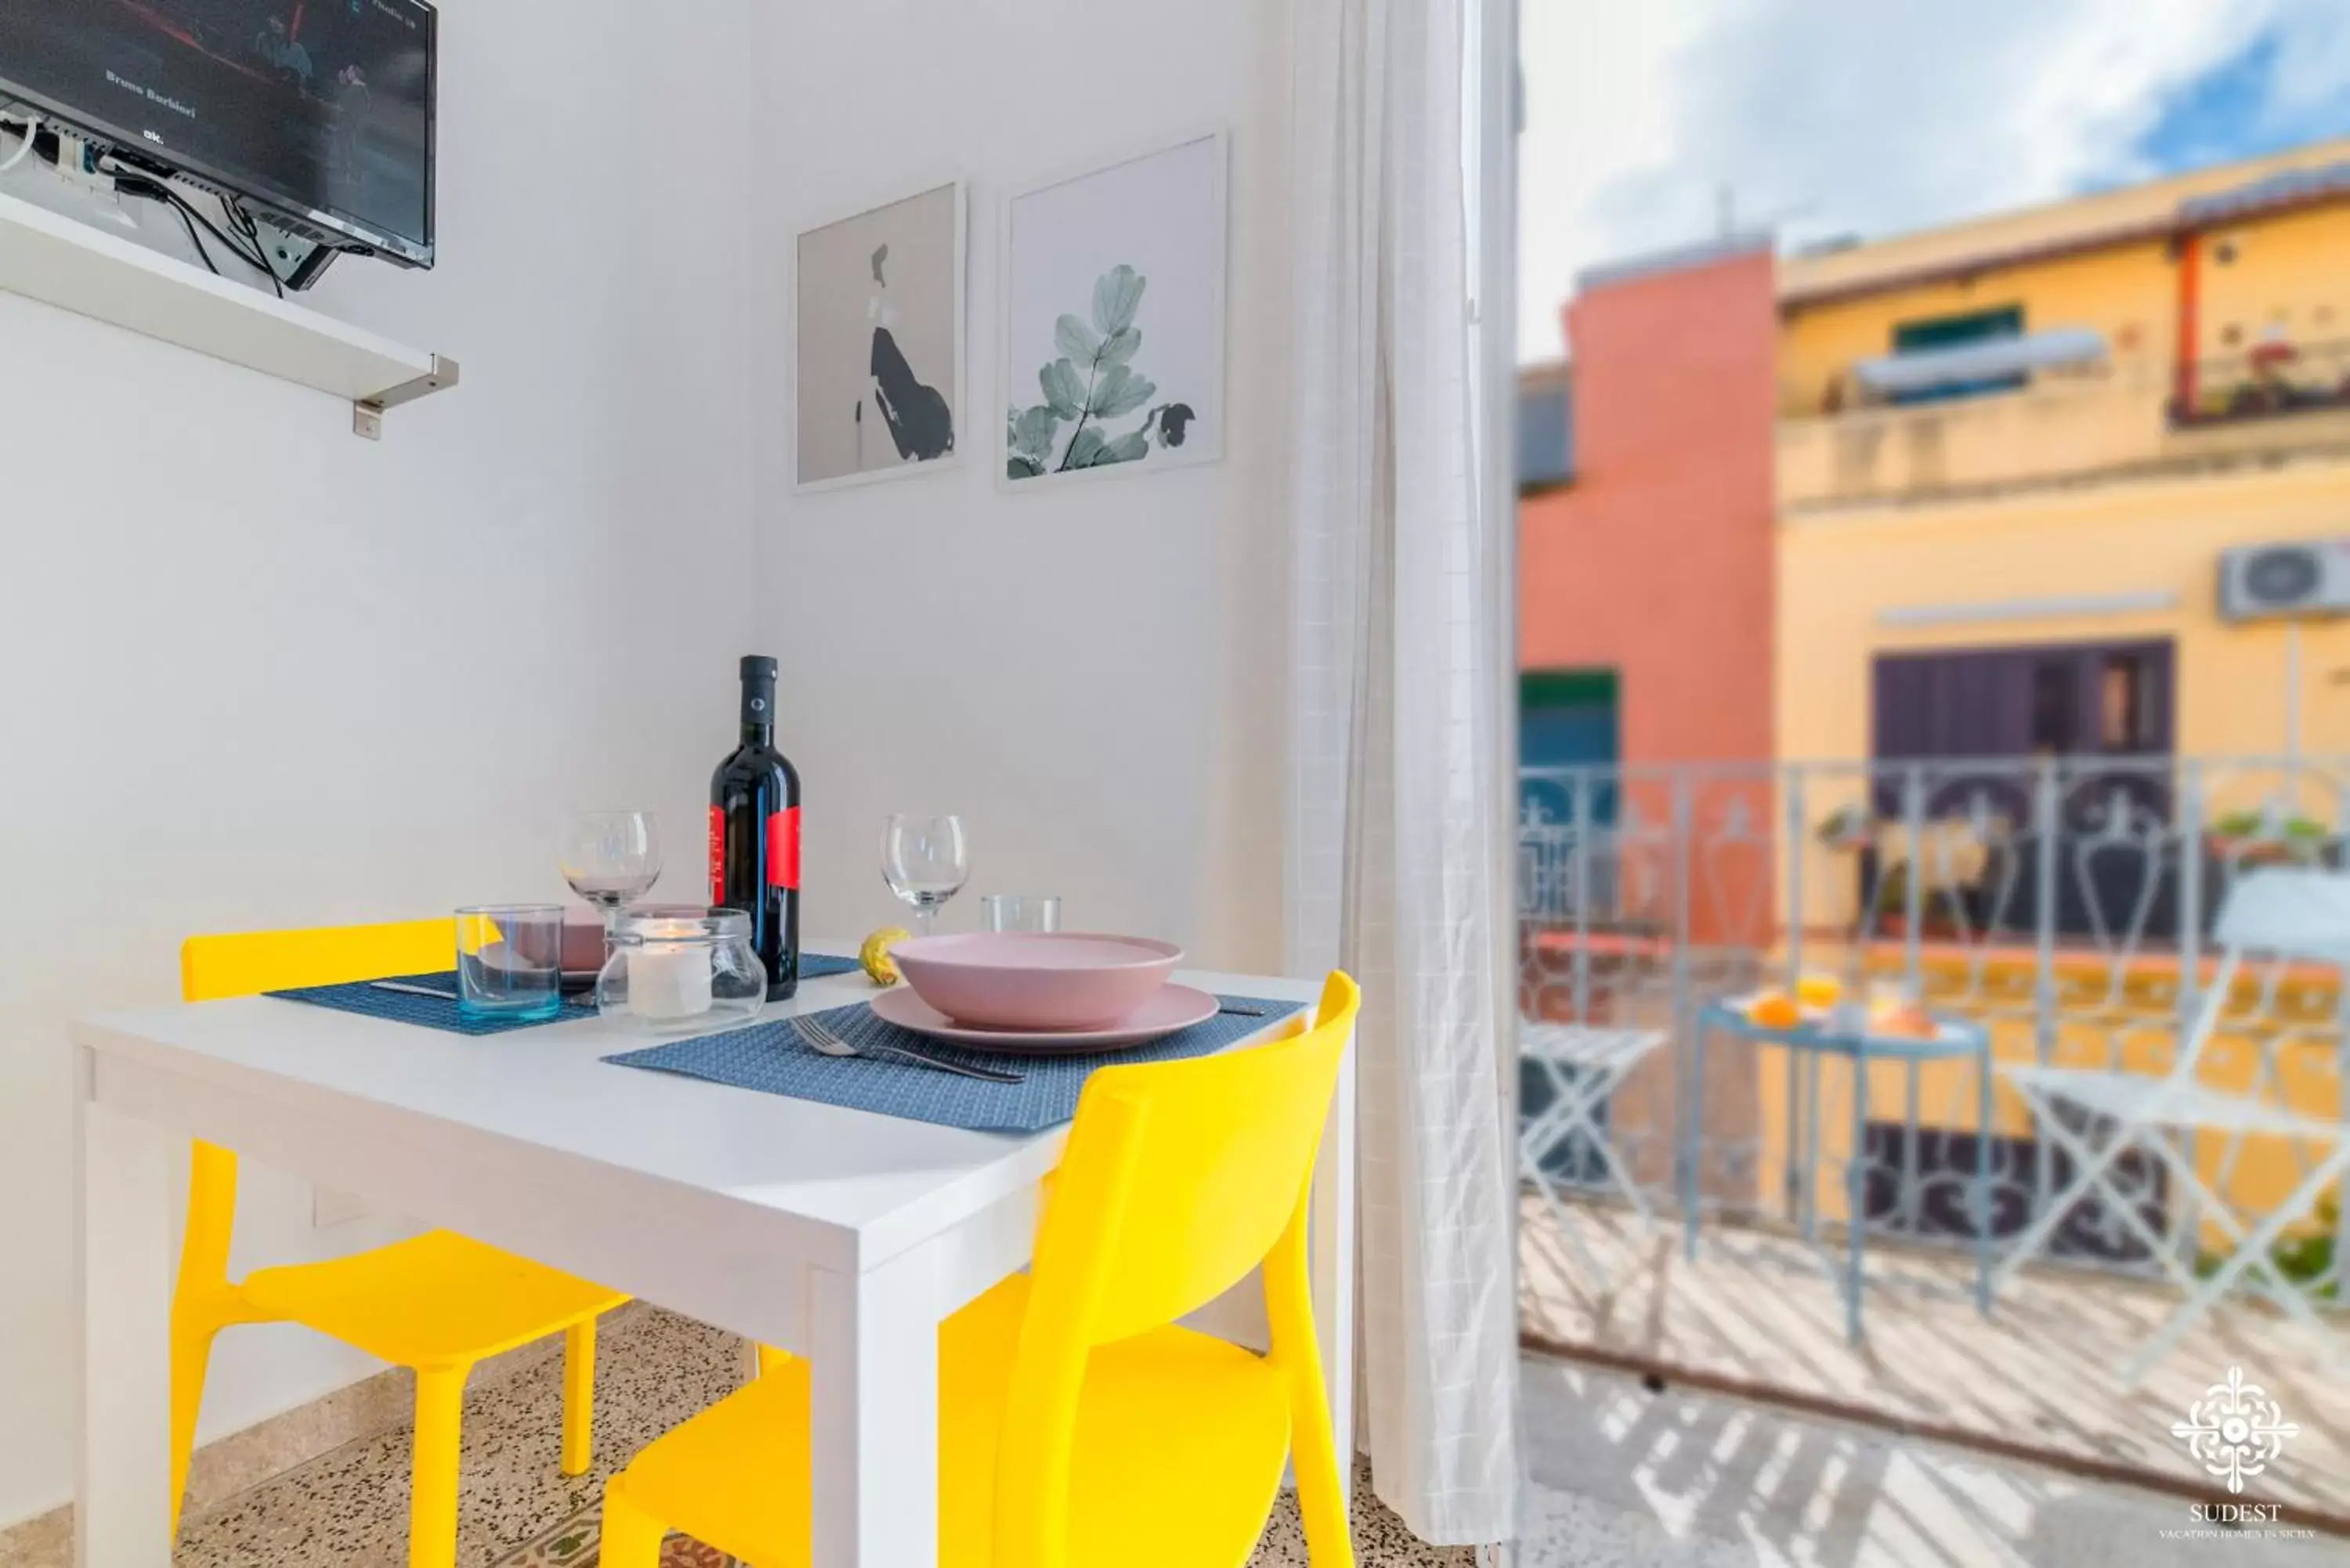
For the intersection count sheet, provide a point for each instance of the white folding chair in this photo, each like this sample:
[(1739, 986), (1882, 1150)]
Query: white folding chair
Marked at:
[(2289, 913), (1584, 1065)]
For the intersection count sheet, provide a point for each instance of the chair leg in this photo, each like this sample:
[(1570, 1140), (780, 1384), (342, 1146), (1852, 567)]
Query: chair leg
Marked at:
[(1616, 1170), (433, 1500), (2089, 1170), (1314, 1451), (578, 1398), (192, 1355), (2251, 1253), (1532, 1171), (1321, 1490), (631, 1537)]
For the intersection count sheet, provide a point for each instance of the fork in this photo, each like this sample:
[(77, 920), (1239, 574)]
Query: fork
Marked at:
[(825, 1042)]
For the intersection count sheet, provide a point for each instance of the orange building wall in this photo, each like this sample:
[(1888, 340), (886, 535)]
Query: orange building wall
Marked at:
[(1658, 561)]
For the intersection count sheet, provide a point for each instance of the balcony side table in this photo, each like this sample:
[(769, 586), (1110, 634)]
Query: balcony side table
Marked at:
[(1951, 1038)]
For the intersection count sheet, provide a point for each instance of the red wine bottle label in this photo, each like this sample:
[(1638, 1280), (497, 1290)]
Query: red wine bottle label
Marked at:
[(717, 855), (783, 848)]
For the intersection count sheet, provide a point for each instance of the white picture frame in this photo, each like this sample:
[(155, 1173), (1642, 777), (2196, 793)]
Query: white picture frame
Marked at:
[(826, 313), (1162, 211)]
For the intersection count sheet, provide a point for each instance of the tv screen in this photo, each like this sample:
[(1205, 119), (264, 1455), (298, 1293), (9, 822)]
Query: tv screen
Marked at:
[(322, 109)]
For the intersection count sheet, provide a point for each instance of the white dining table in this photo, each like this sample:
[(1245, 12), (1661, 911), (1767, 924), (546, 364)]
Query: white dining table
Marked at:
[(843, 1236)]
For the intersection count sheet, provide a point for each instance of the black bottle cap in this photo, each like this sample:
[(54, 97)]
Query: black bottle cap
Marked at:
[(758, 689)]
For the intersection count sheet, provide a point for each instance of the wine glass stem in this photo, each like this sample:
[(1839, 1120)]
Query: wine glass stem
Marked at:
[(927, 917)]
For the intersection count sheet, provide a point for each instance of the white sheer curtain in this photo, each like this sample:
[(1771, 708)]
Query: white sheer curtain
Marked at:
[(1395, 811)]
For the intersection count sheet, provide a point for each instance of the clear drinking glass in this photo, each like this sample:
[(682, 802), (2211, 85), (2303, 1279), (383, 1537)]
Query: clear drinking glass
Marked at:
[(510, 961), (926, 861), (1022, 912), (612, 859)]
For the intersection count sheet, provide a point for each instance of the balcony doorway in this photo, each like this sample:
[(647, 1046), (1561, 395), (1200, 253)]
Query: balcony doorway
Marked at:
[(2066, 700), (1957, 708)]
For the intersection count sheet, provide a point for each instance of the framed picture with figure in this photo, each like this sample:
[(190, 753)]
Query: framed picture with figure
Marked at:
[(878, 342), (1113, 318)]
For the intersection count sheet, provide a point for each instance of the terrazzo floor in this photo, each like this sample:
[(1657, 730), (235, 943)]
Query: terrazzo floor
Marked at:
[(349, 1508), (1622, 1476)]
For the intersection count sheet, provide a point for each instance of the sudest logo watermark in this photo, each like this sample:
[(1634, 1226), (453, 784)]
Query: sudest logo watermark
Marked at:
[(2235, 1431)]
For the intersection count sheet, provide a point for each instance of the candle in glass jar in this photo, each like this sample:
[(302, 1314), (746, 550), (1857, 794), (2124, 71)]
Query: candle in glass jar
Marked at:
[(669, 979)]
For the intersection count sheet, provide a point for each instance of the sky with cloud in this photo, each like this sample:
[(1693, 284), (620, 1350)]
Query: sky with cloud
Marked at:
[(1825, 118)]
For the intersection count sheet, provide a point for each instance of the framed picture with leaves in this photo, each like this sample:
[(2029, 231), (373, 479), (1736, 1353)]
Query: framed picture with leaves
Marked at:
[(1113, 318)]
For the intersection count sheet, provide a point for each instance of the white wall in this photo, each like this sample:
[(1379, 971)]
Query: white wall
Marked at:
[(265, 673), (1092, 676), (261, 672)]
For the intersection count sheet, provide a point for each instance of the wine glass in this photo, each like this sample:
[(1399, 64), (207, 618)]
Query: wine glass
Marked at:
[(926, 861), (612, 859)]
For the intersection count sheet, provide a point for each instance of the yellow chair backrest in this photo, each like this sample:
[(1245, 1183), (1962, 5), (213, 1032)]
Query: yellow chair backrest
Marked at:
[(245, 963), (1179, 1179)]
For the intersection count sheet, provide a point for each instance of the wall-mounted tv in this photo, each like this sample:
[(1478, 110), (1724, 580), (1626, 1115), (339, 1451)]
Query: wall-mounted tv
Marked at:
[(319, 111)]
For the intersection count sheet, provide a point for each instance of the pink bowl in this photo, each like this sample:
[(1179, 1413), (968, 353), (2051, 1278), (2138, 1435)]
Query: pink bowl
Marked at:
[(1035, 980), (583, 946)]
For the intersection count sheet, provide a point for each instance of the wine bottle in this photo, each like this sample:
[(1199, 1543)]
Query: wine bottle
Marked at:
[(755, 834)]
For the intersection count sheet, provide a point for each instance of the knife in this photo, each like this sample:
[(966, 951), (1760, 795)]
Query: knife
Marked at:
[(411, 990)]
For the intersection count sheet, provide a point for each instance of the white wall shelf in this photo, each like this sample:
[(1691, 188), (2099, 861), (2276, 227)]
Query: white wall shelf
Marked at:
[(48, 257)]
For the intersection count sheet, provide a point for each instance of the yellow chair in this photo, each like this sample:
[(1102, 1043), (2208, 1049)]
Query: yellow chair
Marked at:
[(438, 1302), (1079, 1427)]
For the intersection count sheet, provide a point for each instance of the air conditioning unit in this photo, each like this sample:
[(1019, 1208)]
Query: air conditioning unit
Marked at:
[(2273, 582)]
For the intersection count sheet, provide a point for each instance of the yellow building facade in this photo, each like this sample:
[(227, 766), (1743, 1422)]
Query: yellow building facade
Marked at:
[(2082, 505), (2112, 561), (2076, 508)]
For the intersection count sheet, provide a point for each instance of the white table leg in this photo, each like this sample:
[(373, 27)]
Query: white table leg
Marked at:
[(873, 1344), (1332, 1246), (122, 1509)]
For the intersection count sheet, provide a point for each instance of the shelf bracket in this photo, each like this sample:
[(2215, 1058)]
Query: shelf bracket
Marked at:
[(366, 414)]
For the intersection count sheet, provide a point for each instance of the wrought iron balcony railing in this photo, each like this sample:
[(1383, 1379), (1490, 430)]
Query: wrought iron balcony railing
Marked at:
[(2065, 905)]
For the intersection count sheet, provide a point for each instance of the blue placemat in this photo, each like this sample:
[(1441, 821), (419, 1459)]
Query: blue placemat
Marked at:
[(435, 1013), (429, 1012), (771, 1058)]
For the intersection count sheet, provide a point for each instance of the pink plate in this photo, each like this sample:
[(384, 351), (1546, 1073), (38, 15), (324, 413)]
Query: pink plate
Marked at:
[(1035, 980), (1172, 1008)]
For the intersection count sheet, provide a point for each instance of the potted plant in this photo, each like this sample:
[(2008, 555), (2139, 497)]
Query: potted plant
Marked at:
[(2305, 1260), (1940, 914), (1890, 905), (2259, 838), (1848, 828)]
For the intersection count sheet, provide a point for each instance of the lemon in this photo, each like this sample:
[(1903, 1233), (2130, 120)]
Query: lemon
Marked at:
[(1819, 990), (875, 954)]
